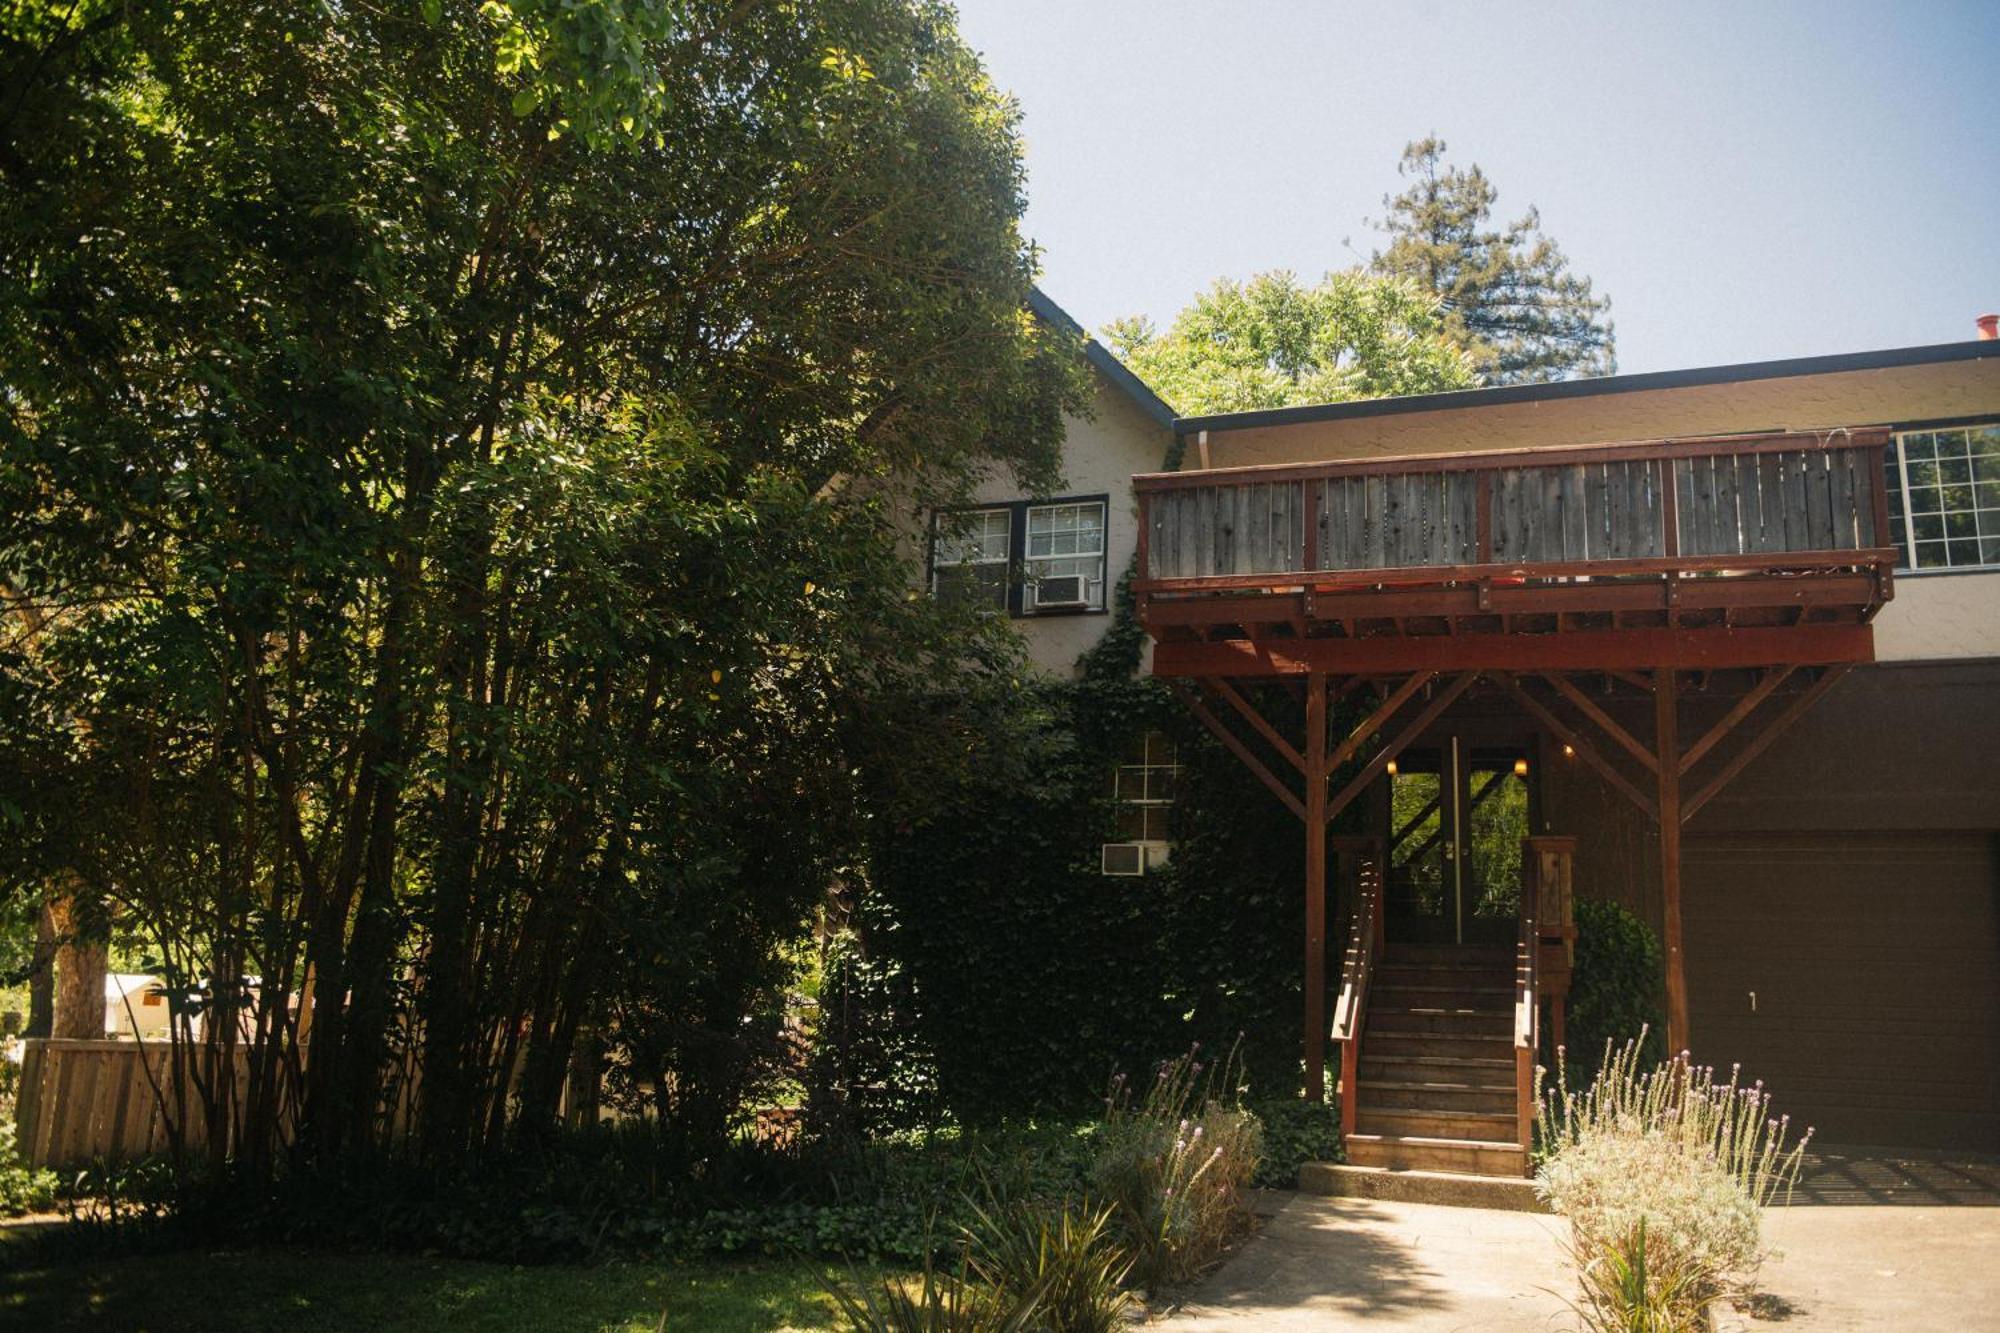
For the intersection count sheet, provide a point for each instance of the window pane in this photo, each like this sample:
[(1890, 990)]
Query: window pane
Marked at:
[(1928, 527), (1918, 446), (1930, 555), (1963, 552), (1954, 471), (972, 585), (1923, 473)]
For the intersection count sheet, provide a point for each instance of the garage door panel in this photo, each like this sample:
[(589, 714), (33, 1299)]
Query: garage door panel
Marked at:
[(1875, 965)]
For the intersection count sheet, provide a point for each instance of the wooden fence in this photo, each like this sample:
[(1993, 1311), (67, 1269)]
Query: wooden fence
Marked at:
[(82, 1100)]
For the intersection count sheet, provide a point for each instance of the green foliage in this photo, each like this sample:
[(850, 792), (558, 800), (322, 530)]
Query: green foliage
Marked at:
[(1296, 1131), (1175, 1163), (1276, 342), (1509, 298), (939, 1302), (425, 568), (1615, 987), (1065, 1254), (1628, 1288), (23, 1189)]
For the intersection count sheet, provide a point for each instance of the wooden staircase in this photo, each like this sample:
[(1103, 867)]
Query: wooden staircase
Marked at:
[(1436, 1086)]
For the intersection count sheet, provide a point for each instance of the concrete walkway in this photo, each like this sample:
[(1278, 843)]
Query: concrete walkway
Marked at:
[(1330, 1263), (1849, 1267)]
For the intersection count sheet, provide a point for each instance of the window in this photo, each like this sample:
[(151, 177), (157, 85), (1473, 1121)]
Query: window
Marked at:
[(969, 557), (1944, 497), (1065, 560), (1031, 559), (1143, 787)]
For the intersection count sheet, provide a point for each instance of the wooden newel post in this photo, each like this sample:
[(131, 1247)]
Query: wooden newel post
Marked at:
[(1667, 746), (1315, 822), (1548, 864)]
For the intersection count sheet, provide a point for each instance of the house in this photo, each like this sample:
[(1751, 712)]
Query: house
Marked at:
[(1721, 644)]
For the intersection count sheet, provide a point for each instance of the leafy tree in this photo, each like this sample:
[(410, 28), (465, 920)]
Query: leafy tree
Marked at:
[(1277, 342), (457, 454), (1510, 299)]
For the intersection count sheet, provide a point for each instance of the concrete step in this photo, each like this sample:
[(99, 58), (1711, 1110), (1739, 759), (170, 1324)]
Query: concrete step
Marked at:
[(1445, 1187), (1438, 1094), (1404, 1121), (1484, 1072), (1417, 1152), (1442, 1018), (1386, 1039)]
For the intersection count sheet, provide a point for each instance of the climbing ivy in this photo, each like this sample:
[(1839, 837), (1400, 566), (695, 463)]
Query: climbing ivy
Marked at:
[(994, 943)]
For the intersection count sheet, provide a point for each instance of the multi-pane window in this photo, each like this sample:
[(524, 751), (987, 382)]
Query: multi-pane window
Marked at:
[(1944, 497), (1027, 558), (969, 556), (1143, 787), (1064, 566)]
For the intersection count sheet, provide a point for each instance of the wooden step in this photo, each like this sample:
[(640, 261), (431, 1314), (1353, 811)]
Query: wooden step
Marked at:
[(1484, 995), (1422, 1122), (1388, 1040), (1440, 1018), (1443, 974), (1438, 1094), (1460, 955), (1485, 1072), (1404, 1152)]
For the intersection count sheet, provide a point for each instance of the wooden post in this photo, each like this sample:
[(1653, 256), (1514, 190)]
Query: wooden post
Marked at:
[(1315, 821), (1666, 708)]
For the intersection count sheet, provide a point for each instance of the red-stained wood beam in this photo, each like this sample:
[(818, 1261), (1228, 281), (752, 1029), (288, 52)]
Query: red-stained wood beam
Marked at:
[(1374, 722), (1315, 821), (1744, 707), (1258, 721), (1605, 722), (1666, 734), (1796, 709), (1584, 751), (1374, 767), (1597, 650), (1235, 746)]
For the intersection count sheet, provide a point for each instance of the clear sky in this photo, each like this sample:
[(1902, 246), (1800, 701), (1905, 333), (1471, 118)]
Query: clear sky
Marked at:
[(1746, 181)]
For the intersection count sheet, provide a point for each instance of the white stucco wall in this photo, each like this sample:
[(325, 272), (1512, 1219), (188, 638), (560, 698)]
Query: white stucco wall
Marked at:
[(1101, 453), (1936, 616)]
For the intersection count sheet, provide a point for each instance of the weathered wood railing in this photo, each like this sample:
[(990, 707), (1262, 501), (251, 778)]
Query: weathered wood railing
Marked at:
[(1357, 967), (1751, 501)]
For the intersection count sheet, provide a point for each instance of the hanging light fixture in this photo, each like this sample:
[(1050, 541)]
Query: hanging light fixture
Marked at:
[(1520, 768), (1392, 768)]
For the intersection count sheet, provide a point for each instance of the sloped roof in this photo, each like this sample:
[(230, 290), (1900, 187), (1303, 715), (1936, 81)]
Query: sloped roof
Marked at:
[(1100, 356)]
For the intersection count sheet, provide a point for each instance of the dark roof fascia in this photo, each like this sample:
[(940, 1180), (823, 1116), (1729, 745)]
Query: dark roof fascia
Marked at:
[(1935, 354), (1100, 356)]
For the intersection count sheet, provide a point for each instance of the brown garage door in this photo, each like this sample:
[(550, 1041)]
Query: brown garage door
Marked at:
[(1874, 961)]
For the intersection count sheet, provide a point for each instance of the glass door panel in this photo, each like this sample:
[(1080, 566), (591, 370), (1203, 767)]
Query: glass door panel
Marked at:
[(1457, 817)]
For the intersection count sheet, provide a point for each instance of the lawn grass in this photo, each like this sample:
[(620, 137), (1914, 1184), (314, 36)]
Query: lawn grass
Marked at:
[(304, 1291)]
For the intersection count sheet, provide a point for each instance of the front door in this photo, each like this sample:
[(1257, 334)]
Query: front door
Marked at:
[(1457, 814)]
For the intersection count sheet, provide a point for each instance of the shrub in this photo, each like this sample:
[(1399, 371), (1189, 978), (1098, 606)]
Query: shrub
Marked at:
[(1615, 987), (1670, 1151), (23, 1189), (1628, 1288), (939, 1303), (1175, 1166), (1295, 1132), (1066, 1253)]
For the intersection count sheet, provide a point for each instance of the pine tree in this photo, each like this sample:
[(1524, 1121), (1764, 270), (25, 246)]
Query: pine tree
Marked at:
[(1509, 297)]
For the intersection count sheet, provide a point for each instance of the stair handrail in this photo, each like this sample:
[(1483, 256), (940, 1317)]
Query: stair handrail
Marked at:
[(1357, 966), (1527, 1020)]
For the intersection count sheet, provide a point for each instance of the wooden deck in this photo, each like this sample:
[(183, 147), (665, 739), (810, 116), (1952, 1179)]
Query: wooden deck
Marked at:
[(1612, 556)]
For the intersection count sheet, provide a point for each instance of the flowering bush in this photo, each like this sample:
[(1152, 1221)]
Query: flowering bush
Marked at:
[(1667, 1169), (1175, 1165)]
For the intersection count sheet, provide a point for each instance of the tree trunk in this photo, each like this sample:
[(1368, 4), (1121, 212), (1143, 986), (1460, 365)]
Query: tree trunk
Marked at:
[(42, 980), (81, 963)]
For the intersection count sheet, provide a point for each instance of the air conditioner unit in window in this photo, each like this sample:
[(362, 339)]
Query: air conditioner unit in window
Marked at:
[(1133, 858), (1063, 590), (1124, 858)]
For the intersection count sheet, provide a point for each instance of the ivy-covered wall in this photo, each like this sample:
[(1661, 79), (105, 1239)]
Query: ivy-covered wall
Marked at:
[(994, 945)]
